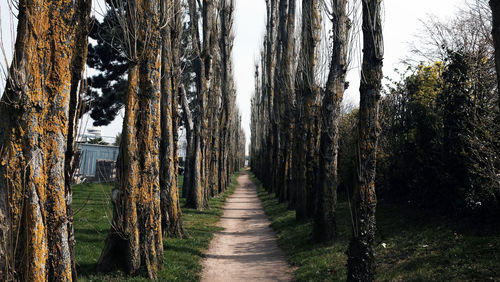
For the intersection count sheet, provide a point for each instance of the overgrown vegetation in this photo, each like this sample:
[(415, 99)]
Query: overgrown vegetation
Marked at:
[(439, 144), (182, 257), (409, 246)]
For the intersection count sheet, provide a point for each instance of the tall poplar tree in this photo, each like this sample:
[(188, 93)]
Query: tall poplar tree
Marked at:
[(307, 99), (36, 116), (361, 261), (324, 227), (135, 238), (197, 193), (171, 33)]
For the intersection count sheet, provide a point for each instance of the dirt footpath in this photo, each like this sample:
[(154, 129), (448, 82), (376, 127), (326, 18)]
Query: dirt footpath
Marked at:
[(246, 250)]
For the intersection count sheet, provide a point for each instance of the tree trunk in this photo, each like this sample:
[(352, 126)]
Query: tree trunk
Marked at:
[(171, 212), (324, 227), (308, 94), (361, 262), (177, 226), (190, 144), (271, 44), (213, 123), (228, 99), (197, 196), (135, 239), (35, 204), (279, 93)]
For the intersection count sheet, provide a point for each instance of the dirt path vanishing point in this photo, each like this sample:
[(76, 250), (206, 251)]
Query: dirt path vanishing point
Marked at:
[(247, 249)]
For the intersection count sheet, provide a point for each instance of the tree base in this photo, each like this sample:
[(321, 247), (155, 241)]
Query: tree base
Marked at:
[(360, 261)]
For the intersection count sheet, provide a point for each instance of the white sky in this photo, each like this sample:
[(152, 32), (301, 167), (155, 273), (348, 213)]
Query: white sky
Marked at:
[(401, 23)]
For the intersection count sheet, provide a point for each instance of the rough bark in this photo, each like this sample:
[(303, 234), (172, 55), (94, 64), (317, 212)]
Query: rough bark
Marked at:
[(270, 67), (228, 99), (35, 211), (171, 212), (213, 141), (197, 196), (135, 239), (288, 98), (308, 92), (209, 96), (279, 92), (324, 227), (361, 263), (176, 226)]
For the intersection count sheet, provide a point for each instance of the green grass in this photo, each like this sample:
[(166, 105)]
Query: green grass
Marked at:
[(182, 256), (417, 248)]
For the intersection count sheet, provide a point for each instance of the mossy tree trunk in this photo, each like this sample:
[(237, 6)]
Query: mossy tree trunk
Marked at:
[(324, 227), (35, 202), (135, 239), (361, 262)]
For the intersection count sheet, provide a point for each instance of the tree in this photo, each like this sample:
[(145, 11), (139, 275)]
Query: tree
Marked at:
[(171, 35), (268, 72), (409, 164), (361, 262), (135, 238), (438, 123), (189, 125), (273, 106), (307, 96), (37, 113), (288, 99), (98, 141), (456, 112), (469, 151), (107, 89), (324, 227), (228, 97), (118, 139), (197, 197), (284, 96)]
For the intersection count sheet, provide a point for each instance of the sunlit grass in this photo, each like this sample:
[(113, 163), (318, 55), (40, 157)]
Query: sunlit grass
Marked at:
[(417, 248), (182, 256)]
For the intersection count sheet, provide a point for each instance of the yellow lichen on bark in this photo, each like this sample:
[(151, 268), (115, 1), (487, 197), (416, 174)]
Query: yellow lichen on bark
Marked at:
[(137, 218), (36, 244), (33, 151)]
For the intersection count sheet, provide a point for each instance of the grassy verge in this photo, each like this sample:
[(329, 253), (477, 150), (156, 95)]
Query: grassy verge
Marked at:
[(182, 256), (408, 247)]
